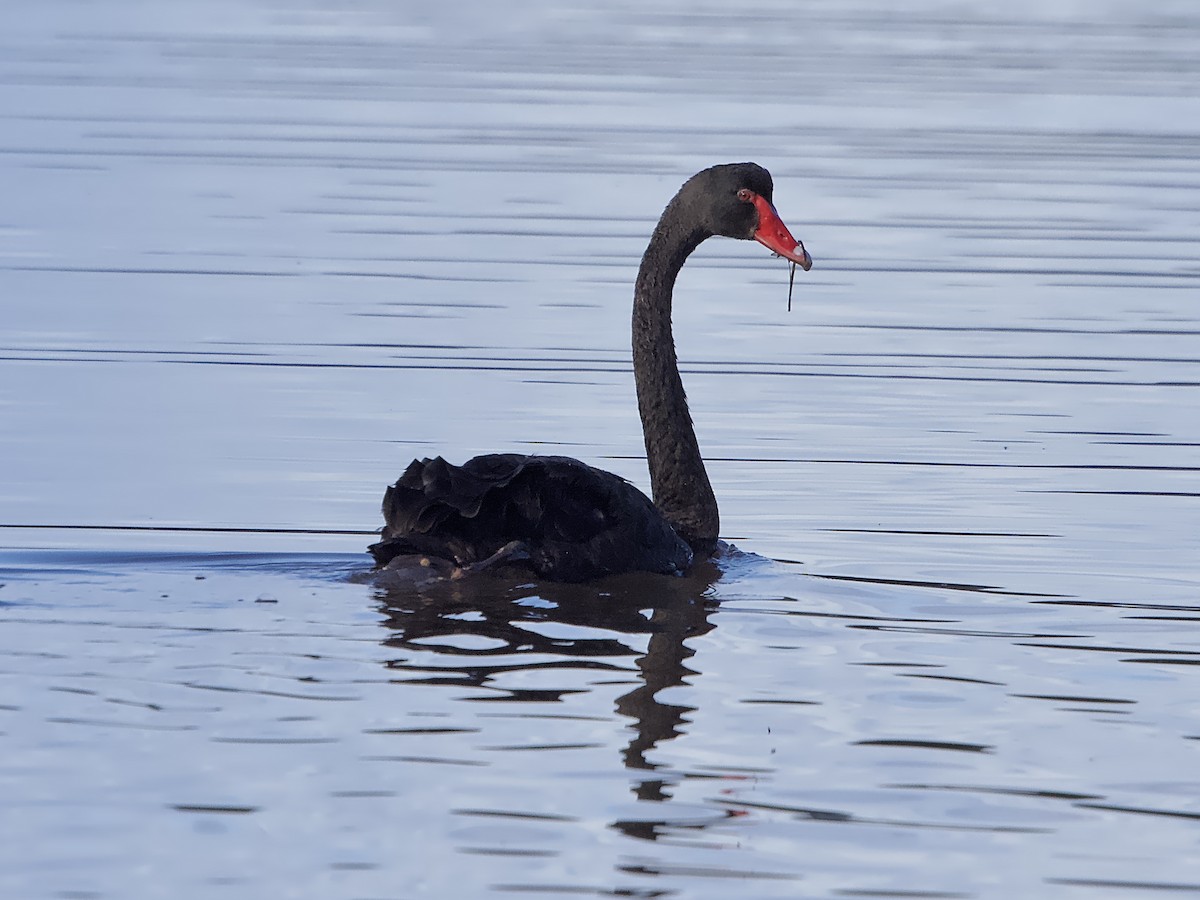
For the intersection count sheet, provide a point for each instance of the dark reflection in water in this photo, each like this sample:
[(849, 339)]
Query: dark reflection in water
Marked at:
[(506, 616)]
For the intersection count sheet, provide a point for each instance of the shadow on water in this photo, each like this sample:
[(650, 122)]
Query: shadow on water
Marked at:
[(483, 627)]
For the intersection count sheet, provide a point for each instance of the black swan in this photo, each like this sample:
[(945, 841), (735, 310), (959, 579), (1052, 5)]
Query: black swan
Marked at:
[(564, 520)]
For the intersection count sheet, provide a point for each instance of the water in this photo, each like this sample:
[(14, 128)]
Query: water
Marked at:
[(254, 257)]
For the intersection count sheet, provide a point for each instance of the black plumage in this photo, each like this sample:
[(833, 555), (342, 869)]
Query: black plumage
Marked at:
[(562, 519), (572, 522)]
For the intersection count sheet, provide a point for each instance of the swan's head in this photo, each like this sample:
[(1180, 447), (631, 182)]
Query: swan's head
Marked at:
[(734, 200)]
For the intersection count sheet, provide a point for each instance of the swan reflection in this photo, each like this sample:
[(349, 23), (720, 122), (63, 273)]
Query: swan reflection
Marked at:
[(479, 631)]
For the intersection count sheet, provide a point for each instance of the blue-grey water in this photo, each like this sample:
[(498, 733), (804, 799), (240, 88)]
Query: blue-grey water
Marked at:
[(256, 255)]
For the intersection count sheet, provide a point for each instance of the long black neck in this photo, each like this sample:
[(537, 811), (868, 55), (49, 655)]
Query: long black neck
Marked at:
[(677, 477)]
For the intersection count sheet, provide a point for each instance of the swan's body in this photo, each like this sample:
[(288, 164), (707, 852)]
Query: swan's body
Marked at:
[(572, 522), (560, 518)]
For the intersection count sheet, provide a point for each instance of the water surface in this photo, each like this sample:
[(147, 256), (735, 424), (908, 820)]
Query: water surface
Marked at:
[(256, 256)]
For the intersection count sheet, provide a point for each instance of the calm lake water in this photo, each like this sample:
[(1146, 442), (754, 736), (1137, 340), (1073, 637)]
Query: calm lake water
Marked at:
[(256, 255)]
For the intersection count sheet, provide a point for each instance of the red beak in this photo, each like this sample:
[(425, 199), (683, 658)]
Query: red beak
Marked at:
[(774, 235)]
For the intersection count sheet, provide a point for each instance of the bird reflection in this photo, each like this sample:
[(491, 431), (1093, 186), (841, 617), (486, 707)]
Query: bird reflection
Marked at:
[(487, 626)]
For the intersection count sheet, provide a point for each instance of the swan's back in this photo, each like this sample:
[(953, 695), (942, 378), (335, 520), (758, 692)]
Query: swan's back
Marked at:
[(573, 522)]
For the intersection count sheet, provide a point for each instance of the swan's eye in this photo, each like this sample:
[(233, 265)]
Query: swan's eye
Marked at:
[(745, 195)]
